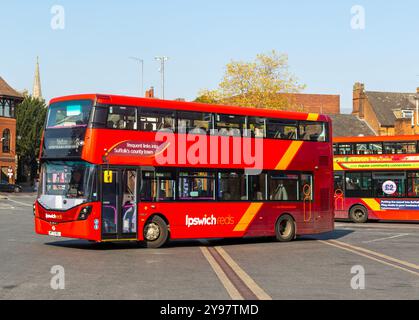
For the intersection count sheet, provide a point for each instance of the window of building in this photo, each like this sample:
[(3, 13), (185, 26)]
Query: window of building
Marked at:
[(4, 175), (283, 187), (194, 122), (257, 127), (230, 125), (407, 114), (313, 131), (158, 186), (122, 118), (258, 187), (389, 184), (6, 141), (358, 184), (196, 186), (282, 129), (232, 186), (7, 111), (157, 120)]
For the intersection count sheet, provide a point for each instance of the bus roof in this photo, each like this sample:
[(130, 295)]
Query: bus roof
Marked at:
[(375, 139), (189, 106)]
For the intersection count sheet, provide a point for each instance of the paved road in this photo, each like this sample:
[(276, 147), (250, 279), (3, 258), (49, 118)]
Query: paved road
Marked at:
[(309, 268)]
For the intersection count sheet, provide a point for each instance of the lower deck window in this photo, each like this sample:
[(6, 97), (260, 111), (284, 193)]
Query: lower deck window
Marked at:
[(158, 186), (232, 186), (196, 186), (284, 187)]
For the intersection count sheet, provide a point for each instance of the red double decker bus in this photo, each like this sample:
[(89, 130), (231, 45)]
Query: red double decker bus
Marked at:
[(377, 178), (117, 168)]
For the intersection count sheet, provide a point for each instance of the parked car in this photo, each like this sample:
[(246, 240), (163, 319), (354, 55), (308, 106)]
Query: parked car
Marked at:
[(7, 187)]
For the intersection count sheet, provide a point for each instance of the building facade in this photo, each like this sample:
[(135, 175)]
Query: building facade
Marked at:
[(9, 100), (387, 113), (316, 103)]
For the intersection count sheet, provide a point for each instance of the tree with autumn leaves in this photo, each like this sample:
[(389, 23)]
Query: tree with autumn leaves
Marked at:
[(263, 83)]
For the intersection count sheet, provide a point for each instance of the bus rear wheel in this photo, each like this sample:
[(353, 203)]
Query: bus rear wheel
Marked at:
[(285, 229), (156, 233), (358, 214)]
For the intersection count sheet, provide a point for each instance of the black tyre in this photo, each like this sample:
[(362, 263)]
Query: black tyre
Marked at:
[(285, 229), (156, 233), (358, 214)]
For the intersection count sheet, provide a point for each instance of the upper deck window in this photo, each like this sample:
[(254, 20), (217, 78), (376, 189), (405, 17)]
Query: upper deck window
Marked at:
[(344, 149), (230, 125), (69, 114), (369, 148), (400, 147), (157, 120), (313, 131), (282, 129), (194, 122), (122, 118), (257, 127)]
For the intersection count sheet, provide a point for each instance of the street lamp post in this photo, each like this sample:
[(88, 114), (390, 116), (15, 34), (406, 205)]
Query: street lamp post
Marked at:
[(141, 62), (162, 60)]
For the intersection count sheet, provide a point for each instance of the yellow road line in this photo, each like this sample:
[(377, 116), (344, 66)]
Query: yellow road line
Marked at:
[(353, 250), (228, 285), (250, 283)]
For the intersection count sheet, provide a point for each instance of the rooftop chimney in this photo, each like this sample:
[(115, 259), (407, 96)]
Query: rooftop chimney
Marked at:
[(358, 95), (150, 93)]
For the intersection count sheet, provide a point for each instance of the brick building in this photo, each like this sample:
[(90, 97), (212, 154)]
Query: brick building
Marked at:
[(9, 99), (387, 113), (316, 103)]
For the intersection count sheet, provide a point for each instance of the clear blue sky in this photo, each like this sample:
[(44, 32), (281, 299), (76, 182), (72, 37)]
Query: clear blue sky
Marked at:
[(200, 37)]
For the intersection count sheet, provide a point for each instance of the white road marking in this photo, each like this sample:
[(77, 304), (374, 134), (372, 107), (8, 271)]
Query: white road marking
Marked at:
[(371, 227), (388, 238), (21, 203), (7, 208), (372, 255)]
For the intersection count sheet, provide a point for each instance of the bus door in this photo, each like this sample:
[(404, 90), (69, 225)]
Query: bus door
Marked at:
[(339, 194), (119, 204)]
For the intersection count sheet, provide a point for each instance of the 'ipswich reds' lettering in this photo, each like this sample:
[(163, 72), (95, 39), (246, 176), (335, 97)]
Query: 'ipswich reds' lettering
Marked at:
[(209, 221), (205, 221)]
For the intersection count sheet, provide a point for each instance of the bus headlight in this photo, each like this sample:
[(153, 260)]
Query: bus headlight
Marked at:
[(85, 213)]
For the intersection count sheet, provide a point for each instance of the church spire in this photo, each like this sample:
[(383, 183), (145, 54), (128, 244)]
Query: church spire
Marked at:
[(37, 92)]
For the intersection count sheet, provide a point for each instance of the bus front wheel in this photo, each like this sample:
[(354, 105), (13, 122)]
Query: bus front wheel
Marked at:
[(156, 233), (358, 214), (285, 229)]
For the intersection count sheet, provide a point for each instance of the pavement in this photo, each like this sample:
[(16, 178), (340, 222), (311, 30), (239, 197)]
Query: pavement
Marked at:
[(329, 266)]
